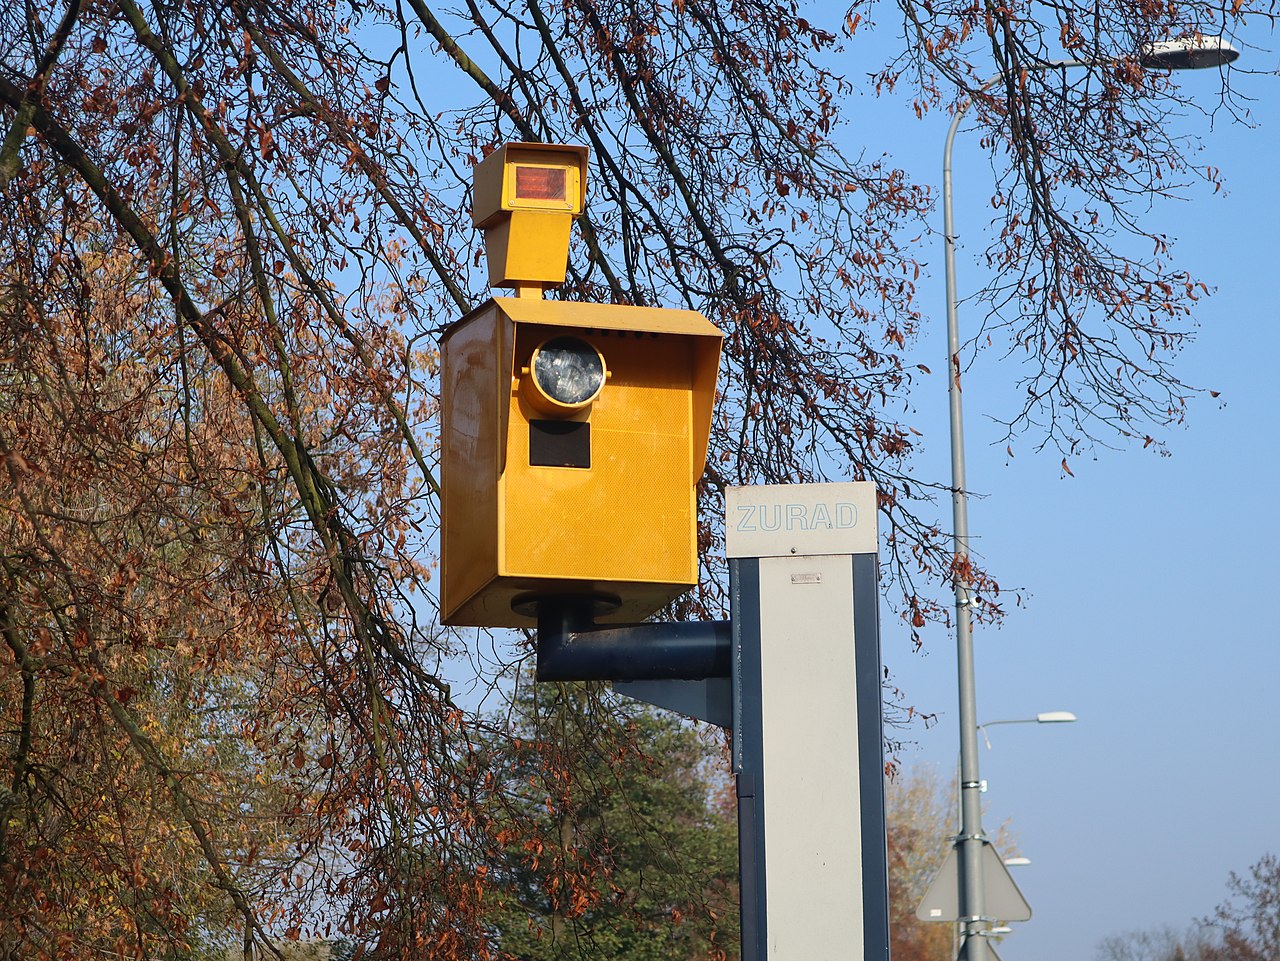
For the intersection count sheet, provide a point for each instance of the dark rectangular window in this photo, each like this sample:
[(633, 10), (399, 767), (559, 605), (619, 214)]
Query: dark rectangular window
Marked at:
[(559, 443)]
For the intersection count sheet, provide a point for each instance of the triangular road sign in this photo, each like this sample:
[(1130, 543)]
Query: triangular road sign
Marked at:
[(1003, 900)]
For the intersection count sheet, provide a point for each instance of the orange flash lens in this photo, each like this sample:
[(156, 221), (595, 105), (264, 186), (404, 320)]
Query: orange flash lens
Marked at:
[(540, 183)]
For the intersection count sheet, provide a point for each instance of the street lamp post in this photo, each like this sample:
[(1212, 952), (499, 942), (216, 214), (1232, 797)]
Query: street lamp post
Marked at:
[(1044, 717), (1188, 54)]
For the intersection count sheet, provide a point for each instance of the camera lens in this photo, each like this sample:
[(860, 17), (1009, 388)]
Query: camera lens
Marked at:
[(568, 370)]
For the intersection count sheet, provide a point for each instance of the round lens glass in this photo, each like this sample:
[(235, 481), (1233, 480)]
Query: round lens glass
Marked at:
[(568, 370)]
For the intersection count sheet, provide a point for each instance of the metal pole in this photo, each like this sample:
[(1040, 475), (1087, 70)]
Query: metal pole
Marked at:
[(973, 943)]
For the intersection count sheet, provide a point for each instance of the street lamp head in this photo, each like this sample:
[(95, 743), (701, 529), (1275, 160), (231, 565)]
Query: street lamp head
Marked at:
[(1188, 53), (1055, 717)]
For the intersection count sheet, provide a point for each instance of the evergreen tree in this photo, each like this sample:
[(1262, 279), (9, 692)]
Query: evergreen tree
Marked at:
[(628, 854)]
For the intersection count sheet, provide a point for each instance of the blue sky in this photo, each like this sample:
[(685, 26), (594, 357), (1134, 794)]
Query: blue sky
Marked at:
[(1148, 579)]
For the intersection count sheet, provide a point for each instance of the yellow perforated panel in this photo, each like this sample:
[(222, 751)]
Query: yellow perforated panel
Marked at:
[(630, 516)]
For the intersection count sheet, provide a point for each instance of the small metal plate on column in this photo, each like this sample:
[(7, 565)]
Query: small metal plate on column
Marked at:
[(813, 578)]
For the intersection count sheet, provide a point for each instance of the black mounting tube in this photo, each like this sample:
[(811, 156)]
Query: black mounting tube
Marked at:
[(572, 648)]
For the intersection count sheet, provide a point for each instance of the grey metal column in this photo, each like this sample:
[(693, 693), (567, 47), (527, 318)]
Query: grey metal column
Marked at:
[(973, 946), (970, 841)]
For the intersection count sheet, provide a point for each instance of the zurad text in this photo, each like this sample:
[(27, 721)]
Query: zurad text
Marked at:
[(796, 517)]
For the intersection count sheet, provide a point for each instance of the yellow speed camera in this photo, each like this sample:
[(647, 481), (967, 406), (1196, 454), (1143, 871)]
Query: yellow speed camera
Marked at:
[(573, 437)]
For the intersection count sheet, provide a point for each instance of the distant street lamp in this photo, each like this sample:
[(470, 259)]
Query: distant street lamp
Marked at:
[(1044, 717), (1190, 53)]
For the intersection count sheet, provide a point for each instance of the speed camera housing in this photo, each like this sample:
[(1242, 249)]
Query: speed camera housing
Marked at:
[(525, 198), (573, 437)]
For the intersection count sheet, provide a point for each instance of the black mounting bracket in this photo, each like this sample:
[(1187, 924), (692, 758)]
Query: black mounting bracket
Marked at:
[(572, 647)]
